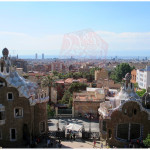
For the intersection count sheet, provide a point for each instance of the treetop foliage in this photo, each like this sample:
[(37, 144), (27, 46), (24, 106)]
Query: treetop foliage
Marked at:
[(120, 71), (89, 75), (147, 141)]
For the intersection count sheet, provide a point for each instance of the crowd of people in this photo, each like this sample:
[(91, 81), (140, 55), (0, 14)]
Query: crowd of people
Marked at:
[(53, 143)]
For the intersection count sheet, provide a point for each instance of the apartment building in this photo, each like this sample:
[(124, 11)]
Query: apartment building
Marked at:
[(133, 75), (143, 77)]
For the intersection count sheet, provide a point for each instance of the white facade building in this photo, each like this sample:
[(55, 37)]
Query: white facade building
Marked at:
[(143, 77)]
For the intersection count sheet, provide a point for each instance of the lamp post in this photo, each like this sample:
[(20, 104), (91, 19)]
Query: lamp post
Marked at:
[(58, 124), (90, 123)]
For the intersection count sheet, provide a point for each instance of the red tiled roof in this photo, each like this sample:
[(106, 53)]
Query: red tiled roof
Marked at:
[(60, 81), (36, 74), (69, 80)]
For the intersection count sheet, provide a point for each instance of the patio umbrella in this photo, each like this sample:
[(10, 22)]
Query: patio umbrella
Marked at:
[(73, 127)]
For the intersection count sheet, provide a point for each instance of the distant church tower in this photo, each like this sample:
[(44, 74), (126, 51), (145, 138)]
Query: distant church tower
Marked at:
[(5, 63)]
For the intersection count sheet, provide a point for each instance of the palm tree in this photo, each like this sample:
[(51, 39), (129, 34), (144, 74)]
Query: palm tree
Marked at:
[(49, 81)]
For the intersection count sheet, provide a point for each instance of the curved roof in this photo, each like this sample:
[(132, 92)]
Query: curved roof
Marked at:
[(25, 87), (126, 94)]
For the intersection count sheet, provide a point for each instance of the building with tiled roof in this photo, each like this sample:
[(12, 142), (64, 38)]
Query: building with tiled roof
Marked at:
[(124, 119), (88, 102), (23, 114)]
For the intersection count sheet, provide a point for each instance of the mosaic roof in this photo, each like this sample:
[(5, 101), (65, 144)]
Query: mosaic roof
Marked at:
[(25, 87)]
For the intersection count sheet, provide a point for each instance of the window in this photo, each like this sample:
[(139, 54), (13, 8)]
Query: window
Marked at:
[(9, 96), (125, 111), (129, 131), (42, 96), (134, 111), (42, 126), (135, 131), (18, 112), (0, 134), (109, 133), (2, 83), (12, 134), (104, 125), (133, 77), (122, 131), (2, 115)]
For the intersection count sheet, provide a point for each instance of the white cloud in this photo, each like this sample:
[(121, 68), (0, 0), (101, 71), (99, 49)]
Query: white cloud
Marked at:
[(25, 44), (126, 40)]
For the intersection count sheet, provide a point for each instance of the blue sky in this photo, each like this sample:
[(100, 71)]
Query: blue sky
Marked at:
[(29, 27)]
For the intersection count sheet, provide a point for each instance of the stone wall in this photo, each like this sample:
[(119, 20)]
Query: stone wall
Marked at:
[(84, 107), (32, 116), (40, 116), (10, 120), (108, 83), (101, 74)]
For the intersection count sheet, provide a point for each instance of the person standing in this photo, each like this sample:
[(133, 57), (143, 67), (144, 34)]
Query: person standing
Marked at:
[(71, 135), (94, 142), (59, 144), (74, 136), (48, 142), (101, 145)]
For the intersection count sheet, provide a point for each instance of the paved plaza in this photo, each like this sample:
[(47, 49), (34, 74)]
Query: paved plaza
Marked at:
[(52, 123), (82, 144), (78, 143)]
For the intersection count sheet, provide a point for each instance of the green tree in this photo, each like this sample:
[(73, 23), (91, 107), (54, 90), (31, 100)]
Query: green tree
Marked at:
[(136, 85), (50, 111), (70, 102), (147, 141), (141, 92), (120, 71), (66, 97), (26, 76), (77, 75), (76, 87), (48, 81), (55, 73)]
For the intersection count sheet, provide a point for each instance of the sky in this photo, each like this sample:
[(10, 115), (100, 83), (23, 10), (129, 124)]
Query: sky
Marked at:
[(123, 28)]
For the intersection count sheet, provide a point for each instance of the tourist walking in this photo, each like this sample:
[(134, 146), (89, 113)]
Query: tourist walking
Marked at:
[(101, 145), (74, 136), (94, 142), (71, 135), (48, 142), (59, 145)]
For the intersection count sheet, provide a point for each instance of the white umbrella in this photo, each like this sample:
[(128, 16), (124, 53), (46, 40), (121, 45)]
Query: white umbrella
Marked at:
[(73, 127)]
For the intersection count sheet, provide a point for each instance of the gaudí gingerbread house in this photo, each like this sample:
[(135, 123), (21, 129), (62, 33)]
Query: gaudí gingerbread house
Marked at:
[(23, 113)]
